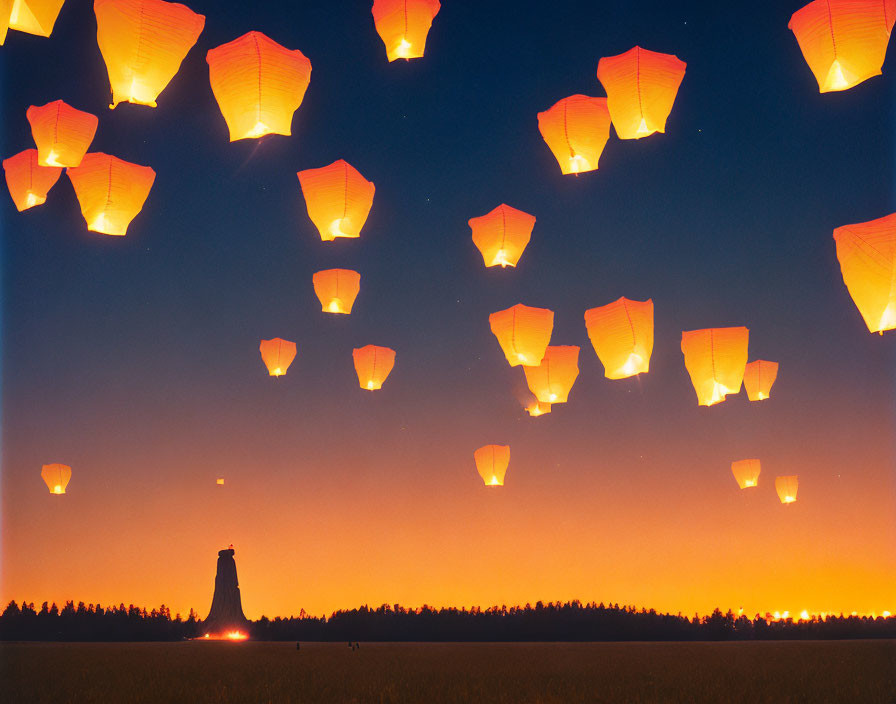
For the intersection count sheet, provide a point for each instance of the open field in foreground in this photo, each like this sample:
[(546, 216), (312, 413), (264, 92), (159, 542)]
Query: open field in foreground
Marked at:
[(515, 673)]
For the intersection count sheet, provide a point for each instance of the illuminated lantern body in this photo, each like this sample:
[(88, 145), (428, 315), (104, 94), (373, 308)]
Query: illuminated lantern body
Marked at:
[(502, 235), (338, 199), (552, 380), (373, 365), (56, 476), (258, 85), (491, 463), (61, 133), (29, 182), (715, 359), (220, 481), (867, 255), (641, 87), (29, 16), (403, 25), (622, 335), (111, 191), (337, 289), (277, 355), (787, 488), (524, 333), (746, 473), (758, 379), (537, 408), (844, 41), (143, 43), (576, 130)]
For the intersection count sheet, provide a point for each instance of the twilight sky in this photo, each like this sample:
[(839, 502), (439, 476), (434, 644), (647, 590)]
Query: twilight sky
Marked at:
[(135, 360)]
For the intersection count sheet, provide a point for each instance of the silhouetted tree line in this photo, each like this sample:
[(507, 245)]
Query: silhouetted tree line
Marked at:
[(571, 621)]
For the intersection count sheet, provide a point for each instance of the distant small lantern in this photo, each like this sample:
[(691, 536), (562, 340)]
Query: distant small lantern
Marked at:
[(220, 481), (715, 359), (62, 133), (502, 235), (491, 463), (403, 25), (258, 85), (552, 380), (29, 16), (523, 333), (787, 487), (622, 335), (746, 473), (277, 355), (338, 199), (56, 477), (576, 130), (373, 364), (337, 289), (759, 376), (28, 181)]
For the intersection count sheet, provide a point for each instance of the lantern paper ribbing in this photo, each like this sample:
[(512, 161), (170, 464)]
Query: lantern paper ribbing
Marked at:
[(403, 25), (552, 380), (844, 41), (143, 43), (746, 473), (715, 359), (576, 129), (524, 333), (29, 16), (622, 335), (373, 365), (337, 289), (28, 181), (111, 191), (502, 235), (258, 85), (787, 487), (62, 133), (491, 463), (277, 355), (758, 379), (56, 477), (338, 199)]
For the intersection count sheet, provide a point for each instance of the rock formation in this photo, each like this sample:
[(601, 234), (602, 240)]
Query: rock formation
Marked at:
[(226, 614)]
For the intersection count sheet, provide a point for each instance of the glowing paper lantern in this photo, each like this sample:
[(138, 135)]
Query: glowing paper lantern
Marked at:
[(337, 289), (29, 16), (491, 463), (502, 235), (111, 191), (787, 488), (56, 476), (523, 333), (62, 133), (258, 85), (715, 359), (220, 481), (277, 355), (537, 408), (403, 25), (641, 87), (552, 380), (373, 365), (338, 199), (746, 473), (758, 379), (29, 182), (576, 130), (622, 335), (867, 255), (143, 43), (844, 41)]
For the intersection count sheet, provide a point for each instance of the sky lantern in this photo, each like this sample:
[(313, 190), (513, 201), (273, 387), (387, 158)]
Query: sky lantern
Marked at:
[(29, 16), (758, 379), (277, 355), (867, 255), (844, 41), (552, 380), (28, 181), (56, 476), (491, 462), (258, 85), (787, 488), (715, 359), (746, 473), (537, 408), (220, 481), (641, 87), (622, 335), (338, 199), (373, 365), (502, 235), (524, 333), (337, 289), (403, 25), (62, 133), (576, 130), (111, 191), (143, 43)]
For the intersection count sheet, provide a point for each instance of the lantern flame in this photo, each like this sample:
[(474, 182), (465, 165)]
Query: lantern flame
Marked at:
[(500, 258), (888, 319), (403, 50), (632, 365), (643, 129), (31, 200), (236, 635), (139, 94), (52, 159), (578, 164), (335, 228), (259, 130), (370, 385), (749, 482), (837, 80), (335, 306), (494, 481), (58, 489)]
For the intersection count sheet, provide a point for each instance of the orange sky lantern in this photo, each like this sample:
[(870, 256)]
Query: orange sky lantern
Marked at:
[(28, 181), (537, 408), (746, 473), (787, 488), (502, 235), (622, 335), (29, 16), (258, 85), (715, 359), (220, 481), (758, 379), (62, 133), (844, 41), (143, 43), (373, 364), (552, 380), (338, 199), (491, 463), (867, 255), (111, 191), (403, 25), (576, 130), (56, 477), (337, 289), (277, 355), (524, 333)]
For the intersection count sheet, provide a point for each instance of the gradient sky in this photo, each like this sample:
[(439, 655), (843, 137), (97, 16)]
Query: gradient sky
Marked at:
[(135, 360)]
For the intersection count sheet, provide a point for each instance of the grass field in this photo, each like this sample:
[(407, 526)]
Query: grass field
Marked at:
[(853, 672)]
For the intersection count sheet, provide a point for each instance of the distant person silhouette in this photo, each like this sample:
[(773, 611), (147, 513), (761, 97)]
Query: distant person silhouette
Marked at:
[(297, 645)]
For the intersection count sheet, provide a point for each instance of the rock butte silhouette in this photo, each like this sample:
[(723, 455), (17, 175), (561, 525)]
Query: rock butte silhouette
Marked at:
[(225, 617)]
